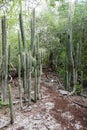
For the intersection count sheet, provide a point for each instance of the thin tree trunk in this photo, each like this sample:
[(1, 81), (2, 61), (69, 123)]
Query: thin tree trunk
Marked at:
[(4, 59), (19, 44), (32, 31), (9, 57), (35, 86), (22, 29), (24, 71), (20, 84), (82, 80), (11, 105), (38, 68), (71, 13), (29, 66)]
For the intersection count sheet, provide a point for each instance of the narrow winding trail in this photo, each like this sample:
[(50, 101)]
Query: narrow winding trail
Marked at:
[(53, 111)]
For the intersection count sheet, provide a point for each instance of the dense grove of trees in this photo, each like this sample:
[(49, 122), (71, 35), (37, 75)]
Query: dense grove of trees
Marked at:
[(55, 35)]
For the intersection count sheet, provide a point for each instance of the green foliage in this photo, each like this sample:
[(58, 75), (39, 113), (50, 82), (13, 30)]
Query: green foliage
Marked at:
[(3, 104), (52, 3), (52, 26), (78, 89)]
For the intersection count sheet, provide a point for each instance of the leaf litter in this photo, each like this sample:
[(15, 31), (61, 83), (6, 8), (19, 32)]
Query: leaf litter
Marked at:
[(52, 112)]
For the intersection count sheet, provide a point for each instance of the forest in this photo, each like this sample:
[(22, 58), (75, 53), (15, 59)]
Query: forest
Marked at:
[(43, 65)]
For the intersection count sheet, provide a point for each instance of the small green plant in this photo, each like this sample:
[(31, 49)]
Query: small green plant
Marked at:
[(2, 104), (78, 89)]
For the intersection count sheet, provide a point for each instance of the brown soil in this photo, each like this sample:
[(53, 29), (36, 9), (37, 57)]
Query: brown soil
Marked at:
[(53, 111)]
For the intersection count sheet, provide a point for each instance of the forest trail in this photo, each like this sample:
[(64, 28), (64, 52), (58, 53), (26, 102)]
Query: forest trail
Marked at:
[(53, 111)]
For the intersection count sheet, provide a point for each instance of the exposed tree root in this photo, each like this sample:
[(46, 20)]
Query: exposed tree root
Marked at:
[(60, 84), (12, 66), (10, 78), (80, 104), (83, 95), (73, 92), (46, 126)]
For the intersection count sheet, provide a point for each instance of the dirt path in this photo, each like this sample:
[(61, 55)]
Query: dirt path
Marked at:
[(53, 111)]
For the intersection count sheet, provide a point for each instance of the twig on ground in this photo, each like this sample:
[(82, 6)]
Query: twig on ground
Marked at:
[(80, 104), (46, 126), (83, 95)]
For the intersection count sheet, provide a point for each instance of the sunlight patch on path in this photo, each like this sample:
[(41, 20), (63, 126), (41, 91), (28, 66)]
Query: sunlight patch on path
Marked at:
[(4, 121), (36, 122)]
